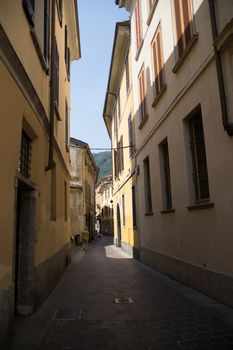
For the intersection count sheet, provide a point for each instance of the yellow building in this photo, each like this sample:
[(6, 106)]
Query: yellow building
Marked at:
[(119, 119), (183, 104), (82, 188), (104, 205), (38, 39)]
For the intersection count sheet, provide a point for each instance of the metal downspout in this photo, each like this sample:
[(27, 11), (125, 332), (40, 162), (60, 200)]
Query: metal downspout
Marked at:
[(228, 126), (52, 89)]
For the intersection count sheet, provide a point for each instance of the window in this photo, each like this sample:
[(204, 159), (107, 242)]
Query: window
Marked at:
[(183, 19), (147, 185), (53, 194), (115, 164), (120, 155), (165, 173), (25, 155), (158, 62), (151, 3), (123, 208), (198, 153), (56, 80), (29, 8), (67, 53), (67, 124), (115, 120), (142, 96), (127, 77), (65, 200), (134, 206), (138, 24), (119, 106), (60, 10), (46, 31), (131, 141)]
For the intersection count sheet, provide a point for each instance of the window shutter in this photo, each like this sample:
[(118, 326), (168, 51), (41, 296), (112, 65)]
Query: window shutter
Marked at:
[(122, 154), (29, 8), (131, 151), (47, 30), (138, 23), (160, 64), (56, 75), (186, 19), (68, 67), (66, 45), (178, 26), (67, 124)]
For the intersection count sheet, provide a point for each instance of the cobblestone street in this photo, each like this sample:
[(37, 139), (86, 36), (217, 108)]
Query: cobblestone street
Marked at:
[(83, 312)]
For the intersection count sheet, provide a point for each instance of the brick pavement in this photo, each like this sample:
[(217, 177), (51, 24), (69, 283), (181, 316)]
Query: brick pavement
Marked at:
[(81, 313)]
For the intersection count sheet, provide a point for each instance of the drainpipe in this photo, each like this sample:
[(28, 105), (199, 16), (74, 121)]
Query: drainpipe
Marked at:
[(52, 90), (228, 126)]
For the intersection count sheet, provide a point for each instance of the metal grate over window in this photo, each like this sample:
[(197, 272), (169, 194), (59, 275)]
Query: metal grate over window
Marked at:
[(167, 178), (197, 145), (25, 155)]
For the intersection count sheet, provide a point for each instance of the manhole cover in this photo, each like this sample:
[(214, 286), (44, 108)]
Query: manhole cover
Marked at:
[(123, 300)]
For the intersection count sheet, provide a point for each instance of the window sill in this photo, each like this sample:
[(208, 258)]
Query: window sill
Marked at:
[(139, 50), (143, 122), (39, 51), (152, 12), (149, 214), (160, 94), (67, 148), (224, 39), (167, 211), (57, 112), (185, 54), (201, 206)]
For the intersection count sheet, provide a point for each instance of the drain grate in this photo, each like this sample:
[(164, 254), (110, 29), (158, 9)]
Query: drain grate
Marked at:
[(123, 300)]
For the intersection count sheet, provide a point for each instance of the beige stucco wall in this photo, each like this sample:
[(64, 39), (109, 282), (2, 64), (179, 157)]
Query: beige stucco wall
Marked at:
[(201, 237)]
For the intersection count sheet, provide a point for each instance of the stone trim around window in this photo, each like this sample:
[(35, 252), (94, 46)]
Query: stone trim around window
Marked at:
[(39, 50), (160, 94), (150, 16), (143, 122), (185, 54), (207, 205)]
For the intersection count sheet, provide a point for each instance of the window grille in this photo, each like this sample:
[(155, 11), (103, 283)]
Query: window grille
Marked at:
[(166, 173), (25, 155), (198, 152), (147, 184)]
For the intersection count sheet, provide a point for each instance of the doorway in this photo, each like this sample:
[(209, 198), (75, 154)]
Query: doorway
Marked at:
[(118, 243), (24, 257)]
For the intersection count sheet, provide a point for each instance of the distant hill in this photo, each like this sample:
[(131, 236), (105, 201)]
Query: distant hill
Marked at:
[(104, 162)]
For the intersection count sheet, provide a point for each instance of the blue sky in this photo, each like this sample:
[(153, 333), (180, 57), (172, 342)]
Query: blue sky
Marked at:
[(89, 75)]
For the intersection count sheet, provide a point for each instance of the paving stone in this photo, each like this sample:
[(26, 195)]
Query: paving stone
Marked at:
[(81, 313)]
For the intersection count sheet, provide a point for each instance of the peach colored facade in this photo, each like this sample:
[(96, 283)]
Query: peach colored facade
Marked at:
[(34, 154)]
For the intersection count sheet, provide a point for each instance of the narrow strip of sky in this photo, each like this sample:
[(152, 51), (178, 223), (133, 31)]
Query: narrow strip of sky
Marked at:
[(89, 75)]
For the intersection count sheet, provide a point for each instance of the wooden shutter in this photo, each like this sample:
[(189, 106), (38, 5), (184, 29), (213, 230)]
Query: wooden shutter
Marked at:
[(138, 23), (46, 30), (56, 75), (66, 45), (122, 154), (178, 27), (142, 92), (130, 129), (67, 124), (186, 21), (29, 8)]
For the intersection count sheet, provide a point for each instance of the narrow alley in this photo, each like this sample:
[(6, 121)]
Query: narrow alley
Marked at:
[(107, 300)]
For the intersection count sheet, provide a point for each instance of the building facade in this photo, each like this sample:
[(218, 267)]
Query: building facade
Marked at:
[(182, 86), (82, 188), (104, 205), (38, 39), (119, 119)]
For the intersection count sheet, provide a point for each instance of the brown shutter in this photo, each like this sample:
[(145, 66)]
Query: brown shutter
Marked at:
[(138, 23), (186, 21), (160, 64), (122, 154), (178, 26)]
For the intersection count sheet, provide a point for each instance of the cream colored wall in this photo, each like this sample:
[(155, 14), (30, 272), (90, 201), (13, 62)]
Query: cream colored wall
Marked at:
[(200, 237)]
